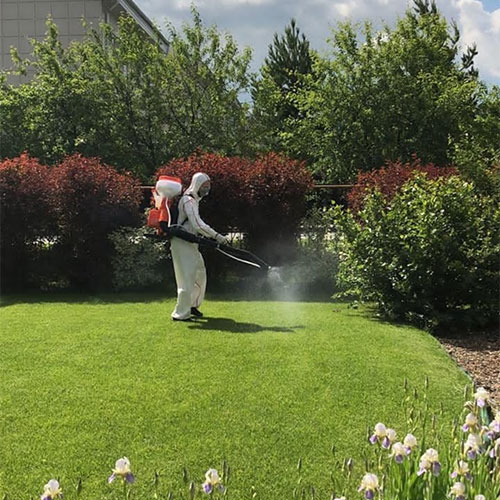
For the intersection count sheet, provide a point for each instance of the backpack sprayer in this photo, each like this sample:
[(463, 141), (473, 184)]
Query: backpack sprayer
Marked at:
[(163, 218)]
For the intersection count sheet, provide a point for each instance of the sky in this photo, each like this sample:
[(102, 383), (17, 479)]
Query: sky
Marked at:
[(253, 23)]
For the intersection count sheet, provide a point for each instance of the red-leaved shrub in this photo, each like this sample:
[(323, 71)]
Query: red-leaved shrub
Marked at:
[(225, 205), (264, 198), (92, 200), (26, 216), (56, 220), (390, 178)]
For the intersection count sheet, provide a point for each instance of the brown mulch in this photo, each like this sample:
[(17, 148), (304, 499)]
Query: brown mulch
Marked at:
[(479, 356)]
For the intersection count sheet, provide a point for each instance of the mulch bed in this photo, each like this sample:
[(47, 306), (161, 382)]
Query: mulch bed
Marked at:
[(479, 356)]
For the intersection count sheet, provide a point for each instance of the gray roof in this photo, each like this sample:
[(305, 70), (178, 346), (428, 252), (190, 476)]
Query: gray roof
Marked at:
[(131, 8)]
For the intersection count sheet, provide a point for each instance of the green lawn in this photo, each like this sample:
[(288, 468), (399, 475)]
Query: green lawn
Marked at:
[(85, 381)]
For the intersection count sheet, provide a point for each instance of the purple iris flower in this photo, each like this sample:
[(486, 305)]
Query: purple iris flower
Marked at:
[(471, 454), (436, 468), (207, 488), (386, 443), (373, 439)]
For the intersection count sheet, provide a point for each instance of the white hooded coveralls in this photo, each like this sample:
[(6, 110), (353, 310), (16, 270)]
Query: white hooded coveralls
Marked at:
[(189, 267)]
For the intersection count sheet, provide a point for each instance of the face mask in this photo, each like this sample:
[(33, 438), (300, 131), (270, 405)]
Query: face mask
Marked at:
[(204, 190)]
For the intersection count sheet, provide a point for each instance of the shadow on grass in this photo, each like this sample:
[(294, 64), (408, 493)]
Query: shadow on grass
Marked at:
[(230, 325)]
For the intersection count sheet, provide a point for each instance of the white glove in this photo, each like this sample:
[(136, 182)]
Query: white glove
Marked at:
[(221, 239)]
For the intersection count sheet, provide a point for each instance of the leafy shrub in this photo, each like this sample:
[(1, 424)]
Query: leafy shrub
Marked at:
[(55, 220), (26, 216), (313, 269), (92, 200), (225, 205), (138, 261), (429, 256), (390, 178), (264, 198), (276, 187)]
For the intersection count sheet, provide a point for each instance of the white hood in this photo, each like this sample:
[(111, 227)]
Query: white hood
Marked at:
[(198, 179)]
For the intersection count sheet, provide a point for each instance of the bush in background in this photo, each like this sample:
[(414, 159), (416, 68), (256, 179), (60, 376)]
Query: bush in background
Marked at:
[(313, 270), (56, 220), (138, 261), (264, 198), (26, 217), (92, 200), (390, 178), (429, 256)]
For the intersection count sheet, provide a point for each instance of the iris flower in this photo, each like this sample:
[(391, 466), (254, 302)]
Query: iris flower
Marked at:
[(458, 491), (429, 461), (495, 451), (379, 434), (369, 484), (481, 397), (470, 423), (410, 442), (51, 490), (122, 470), (472, 446), (212, 480), (398, 452), (494, 427), (390, 437), (462, 469)]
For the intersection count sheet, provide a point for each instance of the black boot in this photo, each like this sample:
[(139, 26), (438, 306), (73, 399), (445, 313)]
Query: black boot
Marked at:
[(196, 312)]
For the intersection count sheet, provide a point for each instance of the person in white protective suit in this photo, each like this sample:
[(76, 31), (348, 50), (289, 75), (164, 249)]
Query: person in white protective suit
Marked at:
[(189, 267)]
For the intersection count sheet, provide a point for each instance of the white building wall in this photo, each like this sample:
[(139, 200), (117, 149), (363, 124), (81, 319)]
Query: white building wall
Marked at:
[(21, 20)]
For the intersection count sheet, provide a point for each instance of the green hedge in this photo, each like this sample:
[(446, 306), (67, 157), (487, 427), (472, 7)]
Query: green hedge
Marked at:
[(430, 256)]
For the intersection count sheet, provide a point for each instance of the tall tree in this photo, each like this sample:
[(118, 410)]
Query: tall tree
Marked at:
[(385, 96), (119, 96), (274, 93)]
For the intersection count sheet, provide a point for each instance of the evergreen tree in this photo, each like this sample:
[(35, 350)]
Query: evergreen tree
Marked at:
[(288, 60)]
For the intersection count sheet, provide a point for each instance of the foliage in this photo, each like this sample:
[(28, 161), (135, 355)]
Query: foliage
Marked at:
[(384, 96), (26, 216), (477, 153), (138, 261), (59, 111), (92, 201), (119, 96), (274, 93), (390, 178), (313, 269), (430, 256), (55, 220), (264, 198)]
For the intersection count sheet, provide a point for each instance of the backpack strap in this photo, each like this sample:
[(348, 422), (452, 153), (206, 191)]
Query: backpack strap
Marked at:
[(177, 210)]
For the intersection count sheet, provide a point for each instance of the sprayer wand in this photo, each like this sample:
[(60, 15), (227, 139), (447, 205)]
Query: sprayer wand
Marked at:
[(243, 256)]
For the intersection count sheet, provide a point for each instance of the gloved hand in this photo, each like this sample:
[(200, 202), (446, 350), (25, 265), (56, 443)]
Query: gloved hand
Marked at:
[(221, 239)]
